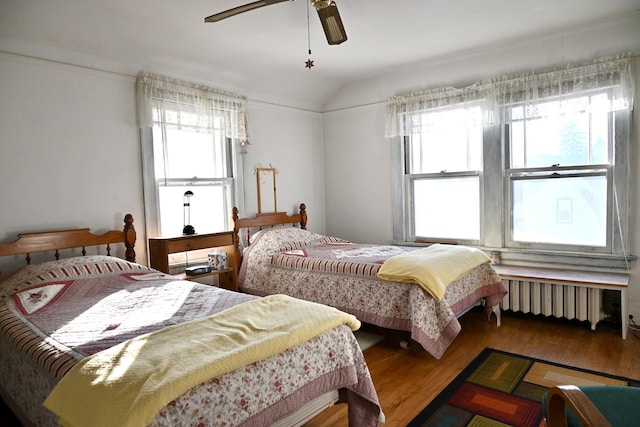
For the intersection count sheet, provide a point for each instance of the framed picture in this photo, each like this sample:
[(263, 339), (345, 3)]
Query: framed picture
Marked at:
[(266, 190)]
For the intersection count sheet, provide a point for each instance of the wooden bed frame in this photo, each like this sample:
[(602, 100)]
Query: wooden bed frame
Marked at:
[(261, 221), (54, 241)]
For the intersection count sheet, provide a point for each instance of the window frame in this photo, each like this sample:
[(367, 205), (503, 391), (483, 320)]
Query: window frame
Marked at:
[(471, 111), (151, 182)]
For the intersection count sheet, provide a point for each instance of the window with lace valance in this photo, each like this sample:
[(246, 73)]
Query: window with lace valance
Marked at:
[(192, 137), (530, 163)]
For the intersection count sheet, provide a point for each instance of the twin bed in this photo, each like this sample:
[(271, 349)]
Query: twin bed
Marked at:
[(100, 340), (280, 258), (105, 341)]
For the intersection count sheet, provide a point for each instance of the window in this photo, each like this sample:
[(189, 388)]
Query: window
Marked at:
[(533, 166), (190, 139), (189, 159), (559, 174), (435, 174)]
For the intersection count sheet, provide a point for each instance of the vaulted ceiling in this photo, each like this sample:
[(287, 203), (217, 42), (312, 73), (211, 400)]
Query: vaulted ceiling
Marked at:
[(264, 51)]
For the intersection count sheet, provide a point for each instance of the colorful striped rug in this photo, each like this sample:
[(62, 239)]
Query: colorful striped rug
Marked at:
[(504, 389)]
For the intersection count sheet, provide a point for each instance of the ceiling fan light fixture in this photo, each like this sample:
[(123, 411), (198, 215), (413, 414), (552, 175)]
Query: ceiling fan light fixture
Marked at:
[(331, 21), (327, 12)]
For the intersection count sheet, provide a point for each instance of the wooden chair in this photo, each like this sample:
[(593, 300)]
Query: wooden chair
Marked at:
[(592, 406)]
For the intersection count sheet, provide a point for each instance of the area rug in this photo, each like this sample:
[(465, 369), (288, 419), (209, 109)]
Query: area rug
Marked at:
[(504, 389)]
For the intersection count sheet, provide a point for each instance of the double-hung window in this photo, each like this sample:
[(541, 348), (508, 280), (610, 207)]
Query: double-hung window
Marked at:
[(193, 161), (559, 173), (439, 182), (191, 140), (434, 173), (535, 166)]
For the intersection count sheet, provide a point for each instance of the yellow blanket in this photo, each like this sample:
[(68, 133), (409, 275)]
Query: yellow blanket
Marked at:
[(126, 385), (434, 267)]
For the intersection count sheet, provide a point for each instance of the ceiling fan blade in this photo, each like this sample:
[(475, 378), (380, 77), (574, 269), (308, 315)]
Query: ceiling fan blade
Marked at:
[(240, 9), (331, 22)]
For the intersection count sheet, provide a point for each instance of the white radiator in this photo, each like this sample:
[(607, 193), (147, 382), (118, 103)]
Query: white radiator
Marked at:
[(550, 299)]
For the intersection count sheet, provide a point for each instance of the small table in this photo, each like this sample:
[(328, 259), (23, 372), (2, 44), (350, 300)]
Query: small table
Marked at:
[(161, 247)]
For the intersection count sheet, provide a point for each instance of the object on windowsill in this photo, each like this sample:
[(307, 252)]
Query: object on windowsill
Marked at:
[(188, 228), (495, 258)]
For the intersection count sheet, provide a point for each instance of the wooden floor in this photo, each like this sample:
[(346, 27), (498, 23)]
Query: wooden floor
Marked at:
[(407, 380)]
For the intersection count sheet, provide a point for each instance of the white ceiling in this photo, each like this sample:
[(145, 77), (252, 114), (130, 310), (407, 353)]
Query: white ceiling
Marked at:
[(263, 52)]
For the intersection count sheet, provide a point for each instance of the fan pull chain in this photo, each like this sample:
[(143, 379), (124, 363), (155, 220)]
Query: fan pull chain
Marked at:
[(309, 62)]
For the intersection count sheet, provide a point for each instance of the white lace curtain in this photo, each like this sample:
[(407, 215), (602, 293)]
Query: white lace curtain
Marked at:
[(401, 118), (615, 74), (204, 106)]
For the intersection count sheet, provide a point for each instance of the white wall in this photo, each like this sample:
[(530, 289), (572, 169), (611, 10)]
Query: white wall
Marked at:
[(357, 175), (70, 152), (290, 140), (357, 160)]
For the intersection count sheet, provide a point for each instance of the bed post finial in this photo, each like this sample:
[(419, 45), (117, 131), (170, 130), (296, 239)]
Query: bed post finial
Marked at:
[(236, 237), (303, 216), (236, 231), (129, 238)]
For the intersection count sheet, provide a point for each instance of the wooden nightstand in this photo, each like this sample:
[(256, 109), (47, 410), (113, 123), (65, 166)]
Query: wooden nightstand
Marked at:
[(161, 247)]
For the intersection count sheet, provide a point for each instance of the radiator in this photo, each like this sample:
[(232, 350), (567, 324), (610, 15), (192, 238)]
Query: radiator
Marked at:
[(551, 299)]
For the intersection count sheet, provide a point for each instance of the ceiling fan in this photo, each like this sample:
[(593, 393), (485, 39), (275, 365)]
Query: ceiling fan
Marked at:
[(327, 11)]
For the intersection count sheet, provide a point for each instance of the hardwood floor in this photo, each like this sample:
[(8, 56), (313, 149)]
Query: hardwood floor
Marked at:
[(407, 380)]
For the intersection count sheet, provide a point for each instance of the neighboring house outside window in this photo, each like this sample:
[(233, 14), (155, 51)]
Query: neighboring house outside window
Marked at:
[(535, 167)]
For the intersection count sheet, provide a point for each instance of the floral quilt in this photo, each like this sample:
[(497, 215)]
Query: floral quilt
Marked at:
[(58, 313), (342, 274)]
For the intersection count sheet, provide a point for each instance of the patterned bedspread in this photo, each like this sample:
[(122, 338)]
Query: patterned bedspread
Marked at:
[(58, 313), (335, 272)]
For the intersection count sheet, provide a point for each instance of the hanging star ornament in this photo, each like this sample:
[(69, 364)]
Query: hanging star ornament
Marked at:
[(309, 62)]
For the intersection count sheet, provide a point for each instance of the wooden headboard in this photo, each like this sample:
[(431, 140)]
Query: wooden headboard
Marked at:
[(261, 221), (54, 241)]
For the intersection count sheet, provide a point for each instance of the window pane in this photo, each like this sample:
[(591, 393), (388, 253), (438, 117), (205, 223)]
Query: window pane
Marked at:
[(569, 132), (188, 154), (600, 131), (437, 214), (448, 140), (206, 213), (570, 211)]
